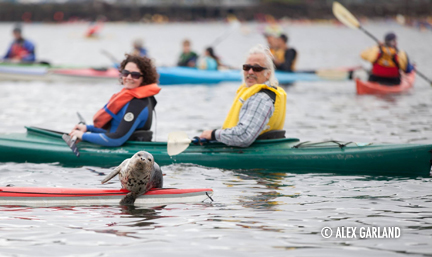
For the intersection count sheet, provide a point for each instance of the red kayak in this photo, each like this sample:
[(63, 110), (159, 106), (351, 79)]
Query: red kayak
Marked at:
[(366, 87), (39, 196)]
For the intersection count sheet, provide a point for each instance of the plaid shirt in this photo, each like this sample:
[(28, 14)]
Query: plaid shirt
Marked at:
[(254, 116)]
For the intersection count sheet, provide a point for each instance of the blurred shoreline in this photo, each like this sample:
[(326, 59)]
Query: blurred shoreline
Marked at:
[(201, 10)]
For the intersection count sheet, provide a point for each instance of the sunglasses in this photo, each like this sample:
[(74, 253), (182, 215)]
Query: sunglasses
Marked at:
[(255, 68), (134, 74)]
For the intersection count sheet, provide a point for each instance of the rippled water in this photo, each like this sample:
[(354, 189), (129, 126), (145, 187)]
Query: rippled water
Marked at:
[(254, 214)]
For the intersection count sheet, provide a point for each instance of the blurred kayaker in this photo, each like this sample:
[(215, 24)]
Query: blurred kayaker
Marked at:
[(209, 61), (21, 50), (259, 105), (187, 58), (387, 61), (271, 41), (94, 29), (284, 57), (129, 112), (138, 48)]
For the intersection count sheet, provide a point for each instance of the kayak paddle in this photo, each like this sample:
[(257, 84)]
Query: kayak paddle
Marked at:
[(336, 74), (81, 119), (234, 25), (114, 60), (178, 141), (348, 19), (71, 142)]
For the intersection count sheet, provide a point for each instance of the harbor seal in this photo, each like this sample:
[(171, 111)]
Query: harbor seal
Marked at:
[(138, 174)]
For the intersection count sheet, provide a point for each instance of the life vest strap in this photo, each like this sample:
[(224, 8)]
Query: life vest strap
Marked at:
[(111, 114), (270, 93)]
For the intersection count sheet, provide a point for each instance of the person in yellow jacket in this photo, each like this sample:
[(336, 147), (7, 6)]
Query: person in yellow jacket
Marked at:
[(387, 61), (259, 105)]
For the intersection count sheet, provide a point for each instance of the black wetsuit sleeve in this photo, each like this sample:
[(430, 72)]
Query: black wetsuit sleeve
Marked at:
[(290, 56)]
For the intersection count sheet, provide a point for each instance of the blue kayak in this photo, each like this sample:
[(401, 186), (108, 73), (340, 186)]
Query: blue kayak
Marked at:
[(168, 75), (184, 75), (24, 73)]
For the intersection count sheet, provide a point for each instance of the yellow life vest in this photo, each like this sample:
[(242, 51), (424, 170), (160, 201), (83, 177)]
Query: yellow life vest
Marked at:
[(384, 56), (387, 57), (279, 56), (277, 119)]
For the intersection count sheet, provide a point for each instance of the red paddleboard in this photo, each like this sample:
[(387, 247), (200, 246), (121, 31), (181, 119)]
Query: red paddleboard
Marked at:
[(42, 196)]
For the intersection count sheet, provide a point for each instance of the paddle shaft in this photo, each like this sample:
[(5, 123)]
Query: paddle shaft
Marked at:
[(71, 142), (197, 140), (81, 118), (423, 76), (224, 36), (110, 56), (369, 34), (74, 138), (221, 38)]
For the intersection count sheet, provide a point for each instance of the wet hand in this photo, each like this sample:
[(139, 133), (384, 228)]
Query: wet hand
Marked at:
[(76, 133), (206, 134), (79, 127)]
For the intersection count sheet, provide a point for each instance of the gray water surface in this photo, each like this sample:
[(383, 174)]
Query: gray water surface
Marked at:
[(254, 213)]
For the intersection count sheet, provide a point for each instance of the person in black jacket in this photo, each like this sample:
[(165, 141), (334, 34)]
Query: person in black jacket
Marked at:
[(284, 57)]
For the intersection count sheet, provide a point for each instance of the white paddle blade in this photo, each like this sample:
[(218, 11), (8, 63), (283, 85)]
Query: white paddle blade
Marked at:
[(332, 74), (178, 141), (344, 16)]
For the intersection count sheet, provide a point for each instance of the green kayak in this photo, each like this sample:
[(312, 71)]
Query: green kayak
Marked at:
[(288, 155)]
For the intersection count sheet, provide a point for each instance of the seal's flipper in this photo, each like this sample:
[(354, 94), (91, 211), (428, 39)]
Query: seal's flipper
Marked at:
[(111, 175), (129, 199), (115, 171)]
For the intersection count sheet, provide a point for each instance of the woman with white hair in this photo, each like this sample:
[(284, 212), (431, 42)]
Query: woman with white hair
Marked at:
[(259, 105)]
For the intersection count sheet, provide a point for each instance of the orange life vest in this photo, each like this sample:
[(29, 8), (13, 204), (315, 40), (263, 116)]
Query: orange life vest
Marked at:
[(117, 101)]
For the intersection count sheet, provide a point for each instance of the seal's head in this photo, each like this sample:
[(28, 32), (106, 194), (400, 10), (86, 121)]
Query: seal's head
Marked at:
[(143, 159)]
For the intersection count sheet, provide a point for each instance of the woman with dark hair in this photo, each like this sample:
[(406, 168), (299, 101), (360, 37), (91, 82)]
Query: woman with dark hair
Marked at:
[(209, 61), (128, 114)]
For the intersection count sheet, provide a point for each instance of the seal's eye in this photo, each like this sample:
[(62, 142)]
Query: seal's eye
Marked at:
[(139, 155), (149, 159)]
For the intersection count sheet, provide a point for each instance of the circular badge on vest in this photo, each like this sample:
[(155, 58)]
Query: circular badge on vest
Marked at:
[(129, 117)]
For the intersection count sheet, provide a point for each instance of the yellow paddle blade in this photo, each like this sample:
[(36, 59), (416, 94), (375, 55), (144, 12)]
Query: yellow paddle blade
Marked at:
[(344, 16), (178, 141)]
